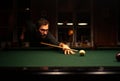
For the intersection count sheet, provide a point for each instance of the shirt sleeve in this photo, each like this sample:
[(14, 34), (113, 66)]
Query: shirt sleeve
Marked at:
[(52, 39)]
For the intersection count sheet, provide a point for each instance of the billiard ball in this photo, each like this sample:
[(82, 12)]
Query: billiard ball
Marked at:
[(118, 56), (82, 52)]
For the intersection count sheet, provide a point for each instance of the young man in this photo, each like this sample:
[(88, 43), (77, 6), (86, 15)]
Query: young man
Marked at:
[(42, 34)]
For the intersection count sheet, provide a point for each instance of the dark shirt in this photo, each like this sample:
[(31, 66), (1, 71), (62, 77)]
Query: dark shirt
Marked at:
[(36, 38)]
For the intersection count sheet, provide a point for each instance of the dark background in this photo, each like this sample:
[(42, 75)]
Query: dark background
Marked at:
[(102, 16)]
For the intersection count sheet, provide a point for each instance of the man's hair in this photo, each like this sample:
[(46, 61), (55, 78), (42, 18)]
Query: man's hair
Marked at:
[(42, 21)]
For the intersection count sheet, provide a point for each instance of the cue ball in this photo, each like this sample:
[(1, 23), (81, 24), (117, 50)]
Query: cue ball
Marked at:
[(118, 56), (82, 52)]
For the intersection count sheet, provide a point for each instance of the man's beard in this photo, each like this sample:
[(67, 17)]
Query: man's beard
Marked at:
[(43, 36)]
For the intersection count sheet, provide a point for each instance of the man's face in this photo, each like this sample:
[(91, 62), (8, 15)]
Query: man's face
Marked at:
[(43, 30)]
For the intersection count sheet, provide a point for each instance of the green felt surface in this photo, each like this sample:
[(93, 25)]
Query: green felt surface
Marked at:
[(56, 58)]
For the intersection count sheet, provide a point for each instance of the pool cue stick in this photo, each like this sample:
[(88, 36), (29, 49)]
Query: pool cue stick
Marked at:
[(55, 46)]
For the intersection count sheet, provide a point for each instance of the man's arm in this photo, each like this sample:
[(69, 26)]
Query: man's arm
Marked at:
[(64, 46)]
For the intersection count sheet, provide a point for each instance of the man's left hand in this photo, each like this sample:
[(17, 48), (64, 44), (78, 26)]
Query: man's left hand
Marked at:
[(67, 49)]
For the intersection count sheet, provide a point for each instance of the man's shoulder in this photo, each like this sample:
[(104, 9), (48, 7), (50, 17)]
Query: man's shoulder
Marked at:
[(50, 34)]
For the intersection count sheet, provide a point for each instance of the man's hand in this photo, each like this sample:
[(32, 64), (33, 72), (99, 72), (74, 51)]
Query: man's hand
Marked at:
[(66, 49)]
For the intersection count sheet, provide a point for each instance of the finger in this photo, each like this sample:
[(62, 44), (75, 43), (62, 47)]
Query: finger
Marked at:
[(72, 52), (65, 52), (68, 52)]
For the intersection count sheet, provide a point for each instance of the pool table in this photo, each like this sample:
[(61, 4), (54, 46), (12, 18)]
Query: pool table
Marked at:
[(49, 61)]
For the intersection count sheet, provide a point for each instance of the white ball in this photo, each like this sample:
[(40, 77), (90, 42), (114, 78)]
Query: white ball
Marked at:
[(82, 52)]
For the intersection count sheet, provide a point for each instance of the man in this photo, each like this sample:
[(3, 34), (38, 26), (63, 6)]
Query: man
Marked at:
[(42, 34)]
